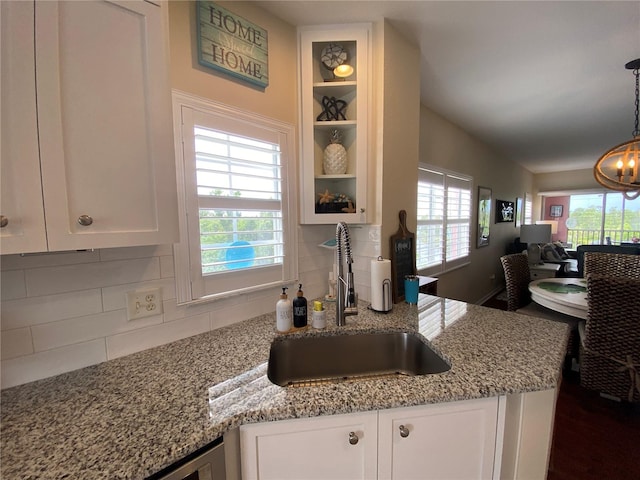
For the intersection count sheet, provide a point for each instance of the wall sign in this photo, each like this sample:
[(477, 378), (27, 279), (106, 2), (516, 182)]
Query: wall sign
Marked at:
[(231, 44)]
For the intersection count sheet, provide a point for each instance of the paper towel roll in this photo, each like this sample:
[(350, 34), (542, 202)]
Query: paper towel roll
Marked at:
[(381, 299)]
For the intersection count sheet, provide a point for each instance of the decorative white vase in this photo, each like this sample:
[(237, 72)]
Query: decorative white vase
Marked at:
[(335, 155)]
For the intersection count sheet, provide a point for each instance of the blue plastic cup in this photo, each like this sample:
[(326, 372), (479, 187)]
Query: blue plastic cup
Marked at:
[(411, 289)]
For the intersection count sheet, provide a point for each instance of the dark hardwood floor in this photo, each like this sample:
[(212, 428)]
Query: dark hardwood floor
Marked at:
[(594, 438)]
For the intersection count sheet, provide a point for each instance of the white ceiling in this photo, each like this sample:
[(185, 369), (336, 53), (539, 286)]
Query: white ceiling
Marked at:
[(543, 82)]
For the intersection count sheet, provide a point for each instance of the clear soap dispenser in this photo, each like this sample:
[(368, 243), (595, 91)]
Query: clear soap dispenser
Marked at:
[(283, 312)]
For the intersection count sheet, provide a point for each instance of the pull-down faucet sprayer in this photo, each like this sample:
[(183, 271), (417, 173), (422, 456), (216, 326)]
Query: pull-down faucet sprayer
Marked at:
[(345, 288)]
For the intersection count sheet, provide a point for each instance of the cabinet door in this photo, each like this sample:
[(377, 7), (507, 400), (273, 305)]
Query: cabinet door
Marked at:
[(21, 192), (104, 113), (313, 448), (454, 441)]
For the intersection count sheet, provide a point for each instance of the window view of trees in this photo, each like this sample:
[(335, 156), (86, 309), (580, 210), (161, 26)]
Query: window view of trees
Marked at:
[(603, 218), (232, 239)]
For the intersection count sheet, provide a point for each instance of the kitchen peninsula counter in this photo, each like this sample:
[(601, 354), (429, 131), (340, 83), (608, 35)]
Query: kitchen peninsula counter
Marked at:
[(130, 417)]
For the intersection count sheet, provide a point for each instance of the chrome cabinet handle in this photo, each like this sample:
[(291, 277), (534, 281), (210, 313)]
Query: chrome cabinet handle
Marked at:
[(353, 438), (404, 431), (85, 220), (4, 221)]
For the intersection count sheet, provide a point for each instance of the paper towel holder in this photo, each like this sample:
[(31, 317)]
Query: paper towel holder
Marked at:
[(382, 300)]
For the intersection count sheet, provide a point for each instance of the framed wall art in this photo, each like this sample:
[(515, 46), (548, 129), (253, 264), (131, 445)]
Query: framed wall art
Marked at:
[(505, 211), (519, 211), (555, 211), (484, 217)]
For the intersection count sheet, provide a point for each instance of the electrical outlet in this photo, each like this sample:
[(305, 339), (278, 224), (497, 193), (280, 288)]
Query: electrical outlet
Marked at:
[(144, 303)]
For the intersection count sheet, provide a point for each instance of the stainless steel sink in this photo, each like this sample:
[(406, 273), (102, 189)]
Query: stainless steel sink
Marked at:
[(313, 360)]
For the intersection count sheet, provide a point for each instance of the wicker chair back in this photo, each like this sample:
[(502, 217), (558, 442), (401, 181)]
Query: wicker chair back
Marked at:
[(612, 264), (517, 277), (610, 356)]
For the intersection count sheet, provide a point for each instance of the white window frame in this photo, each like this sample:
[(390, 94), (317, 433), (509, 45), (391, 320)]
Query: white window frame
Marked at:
[(191, 285), (447, 265), (528, 209)]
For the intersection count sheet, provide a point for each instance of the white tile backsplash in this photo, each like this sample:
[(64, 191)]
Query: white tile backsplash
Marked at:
[(77, 330), (16, 342), (52, 362), (149, 337), (12, 284), (50, 308), (64, 311), (45, 281)]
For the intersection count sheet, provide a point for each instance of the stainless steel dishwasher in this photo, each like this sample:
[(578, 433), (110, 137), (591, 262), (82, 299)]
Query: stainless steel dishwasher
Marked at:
[(206, 464)]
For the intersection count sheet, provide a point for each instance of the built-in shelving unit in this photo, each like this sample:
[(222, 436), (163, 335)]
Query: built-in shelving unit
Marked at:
[(347, 101)]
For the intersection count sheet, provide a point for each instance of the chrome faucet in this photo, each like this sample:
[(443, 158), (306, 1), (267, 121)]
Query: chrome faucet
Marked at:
[(346, 302)]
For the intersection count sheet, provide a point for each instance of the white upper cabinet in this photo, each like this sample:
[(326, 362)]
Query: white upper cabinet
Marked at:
[(104, 126), (334, 110), (21, 205)]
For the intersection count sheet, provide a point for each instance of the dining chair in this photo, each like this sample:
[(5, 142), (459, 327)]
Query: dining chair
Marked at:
[(517, 277), (610, 350), (612, 264)]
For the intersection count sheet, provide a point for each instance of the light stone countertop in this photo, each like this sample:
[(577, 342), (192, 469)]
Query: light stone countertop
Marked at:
[(128, 418)]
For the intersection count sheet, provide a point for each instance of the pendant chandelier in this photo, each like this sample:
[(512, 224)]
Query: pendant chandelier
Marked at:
[(619, 168)]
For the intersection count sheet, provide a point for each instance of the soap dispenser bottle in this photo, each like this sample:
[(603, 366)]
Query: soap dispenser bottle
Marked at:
[(300, 309), (283, 312)]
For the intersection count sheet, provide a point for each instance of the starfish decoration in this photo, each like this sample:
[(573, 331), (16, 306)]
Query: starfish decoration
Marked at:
[(325, 197), (349, 208)]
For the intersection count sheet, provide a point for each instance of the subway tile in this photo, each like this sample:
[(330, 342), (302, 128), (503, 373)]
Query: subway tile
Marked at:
[(12, 285), (143, 251), (47, 281), (173, 312), (145, 338), (315, 234), (19, 370), (16, 342), (251, 308), (115, 297), (38, 260), (167, 267), (49, 308), (77, 330)]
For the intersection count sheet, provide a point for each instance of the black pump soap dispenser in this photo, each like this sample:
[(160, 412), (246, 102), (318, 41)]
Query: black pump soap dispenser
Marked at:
[(300, 309)]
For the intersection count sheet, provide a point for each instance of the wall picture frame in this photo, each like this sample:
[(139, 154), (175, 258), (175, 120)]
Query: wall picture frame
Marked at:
[(484, 217), (555, 211), (505, 211), (519, 211)]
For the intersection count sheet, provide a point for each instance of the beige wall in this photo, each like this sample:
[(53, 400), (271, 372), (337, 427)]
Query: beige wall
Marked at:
[(400, 134), (563, 181), (278, 100), (446, 145)]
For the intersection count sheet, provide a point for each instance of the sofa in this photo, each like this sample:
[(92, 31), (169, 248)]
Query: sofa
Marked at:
[(572, 262), (620, 249)]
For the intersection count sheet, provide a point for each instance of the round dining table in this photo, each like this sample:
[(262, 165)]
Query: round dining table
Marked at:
[(564, 295)]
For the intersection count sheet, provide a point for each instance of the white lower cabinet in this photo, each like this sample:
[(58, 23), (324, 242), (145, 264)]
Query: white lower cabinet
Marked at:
[(338, 446), (449, 440)]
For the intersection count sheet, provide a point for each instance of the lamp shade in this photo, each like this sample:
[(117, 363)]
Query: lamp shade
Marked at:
[(535, 233), (553, 223)]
